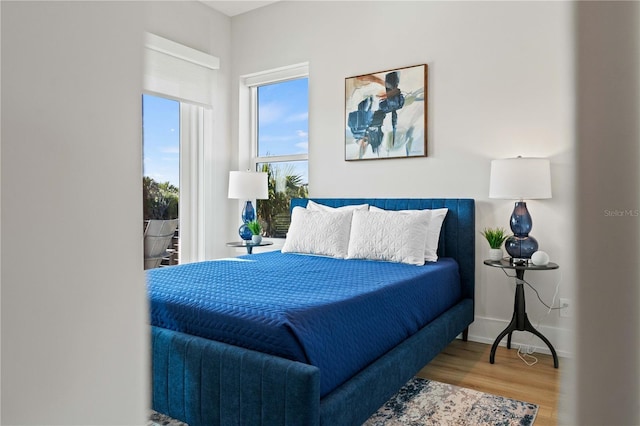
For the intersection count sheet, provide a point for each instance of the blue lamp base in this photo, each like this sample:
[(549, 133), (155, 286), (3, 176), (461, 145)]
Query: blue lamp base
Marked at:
[(521, 248), (245, 232), (248, 214), (520, 245)]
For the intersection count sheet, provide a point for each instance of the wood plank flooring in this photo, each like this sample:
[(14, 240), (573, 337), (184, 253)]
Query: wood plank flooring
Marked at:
[(466, 364)]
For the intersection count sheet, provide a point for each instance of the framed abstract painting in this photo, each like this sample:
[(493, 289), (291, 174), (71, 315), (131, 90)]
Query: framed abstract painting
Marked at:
[(386, 114)]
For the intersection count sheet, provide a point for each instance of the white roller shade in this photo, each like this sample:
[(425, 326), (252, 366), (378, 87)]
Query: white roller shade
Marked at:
[(179, 72)]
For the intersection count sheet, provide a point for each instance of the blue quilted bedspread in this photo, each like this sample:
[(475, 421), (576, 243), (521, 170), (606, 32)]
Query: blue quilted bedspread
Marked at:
[(339, 315)]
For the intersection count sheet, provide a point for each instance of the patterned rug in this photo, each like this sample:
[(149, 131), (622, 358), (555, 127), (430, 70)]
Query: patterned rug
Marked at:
[(424, 402), (157, 419)]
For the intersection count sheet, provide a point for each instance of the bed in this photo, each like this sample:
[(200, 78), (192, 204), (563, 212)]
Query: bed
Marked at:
[(284, 371)]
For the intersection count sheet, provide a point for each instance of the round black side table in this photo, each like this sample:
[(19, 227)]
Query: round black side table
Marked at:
[(520, 321), (249, 245)]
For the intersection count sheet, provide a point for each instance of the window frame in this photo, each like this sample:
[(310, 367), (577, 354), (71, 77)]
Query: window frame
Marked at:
[(251, 83), (178, 72)]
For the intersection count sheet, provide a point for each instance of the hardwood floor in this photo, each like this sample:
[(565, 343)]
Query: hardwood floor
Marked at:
[(466, 364)]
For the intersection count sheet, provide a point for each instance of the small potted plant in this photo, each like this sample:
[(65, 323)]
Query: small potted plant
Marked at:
[(256, 231), (495, 237)]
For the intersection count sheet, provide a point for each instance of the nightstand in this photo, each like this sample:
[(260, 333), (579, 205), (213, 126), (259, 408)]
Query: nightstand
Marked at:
[(249, 245), (520, 321)]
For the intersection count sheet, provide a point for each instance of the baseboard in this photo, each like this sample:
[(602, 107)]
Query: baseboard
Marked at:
[(486, 330)]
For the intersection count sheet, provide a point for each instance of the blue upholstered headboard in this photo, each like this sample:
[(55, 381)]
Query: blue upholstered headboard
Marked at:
[(457, 238)]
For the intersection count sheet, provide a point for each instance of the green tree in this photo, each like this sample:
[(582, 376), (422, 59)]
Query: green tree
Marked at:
[(160, 200), (283, 185)]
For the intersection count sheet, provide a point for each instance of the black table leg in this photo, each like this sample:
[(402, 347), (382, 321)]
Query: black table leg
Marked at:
[(530, 328), (520, 322)]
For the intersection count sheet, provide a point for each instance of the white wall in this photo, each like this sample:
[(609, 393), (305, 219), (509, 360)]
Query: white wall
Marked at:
[(74, 339), (500, 85), (0, 222), (74, 314)]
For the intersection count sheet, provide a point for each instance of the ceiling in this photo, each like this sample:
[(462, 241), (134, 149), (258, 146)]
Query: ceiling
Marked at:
[(233, 8)]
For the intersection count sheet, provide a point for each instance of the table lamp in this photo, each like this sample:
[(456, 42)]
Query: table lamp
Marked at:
[(247, 186), (519, 179)]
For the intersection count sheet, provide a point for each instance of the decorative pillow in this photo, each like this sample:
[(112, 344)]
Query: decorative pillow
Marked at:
[(433, 236), (318, 232), (313, 206), (435, 218), (388, 235)]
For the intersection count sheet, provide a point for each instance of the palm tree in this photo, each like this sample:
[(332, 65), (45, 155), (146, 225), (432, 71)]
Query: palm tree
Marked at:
[(283, 184)]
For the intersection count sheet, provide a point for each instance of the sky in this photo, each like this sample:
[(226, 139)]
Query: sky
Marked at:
[(283, 125), (283, 118), (161, 127)]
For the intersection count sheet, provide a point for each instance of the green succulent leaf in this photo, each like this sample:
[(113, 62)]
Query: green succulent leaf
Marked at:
[(255, 227), (495, 236)]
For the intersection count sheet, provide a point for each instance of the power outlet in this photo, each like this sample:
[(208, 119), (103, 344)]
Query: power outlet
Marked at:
[(566, 309)]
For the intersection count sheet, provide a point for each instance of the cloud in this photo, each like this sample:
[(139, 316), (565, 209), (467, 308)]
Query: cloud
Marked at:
[(271, 138), (270, 112), (170, 150), (297, 117), (302, 134), (163, 173)]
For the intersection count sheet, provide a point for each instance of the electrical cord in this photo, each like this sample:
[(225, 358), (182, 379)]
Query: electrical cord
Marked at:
[(524, 356), (536, 291)]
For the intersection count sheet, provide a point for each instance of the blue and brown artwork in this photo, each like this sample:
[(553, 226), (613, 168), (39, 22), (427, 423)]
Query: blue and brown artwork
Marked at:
[(386, 114)]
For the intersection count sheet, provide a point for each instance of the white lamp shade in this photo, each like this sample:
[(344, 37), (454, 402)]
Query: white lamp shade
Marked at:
[(248, 185), (520, 179)]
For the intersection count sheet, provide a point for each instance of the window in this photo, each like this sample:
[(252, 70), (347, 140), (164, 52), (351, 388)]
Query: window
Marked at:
[(161, 166), (280, 120), (185, 77), (161, 151)]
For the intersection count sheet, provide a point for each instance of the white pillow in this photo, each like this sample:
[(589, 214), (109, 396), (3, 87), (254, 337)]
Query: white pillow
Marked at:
[(433, 236), (318, 232), (317, 207), (388, 235), (435, 218)]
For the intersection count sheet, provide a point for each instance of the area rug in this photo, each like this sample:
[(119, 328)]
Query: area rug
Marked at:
[(423, 402), (426, 402), (157, 419)]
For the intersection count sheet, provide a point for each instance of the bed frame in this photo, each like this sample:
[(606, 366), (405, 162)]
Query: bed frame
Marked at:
[(205, 382)]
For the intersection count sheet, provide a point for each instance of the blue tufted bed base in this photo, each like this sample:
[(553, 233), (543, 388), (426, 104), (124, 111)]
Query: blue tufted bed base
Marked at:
[(205, 382)]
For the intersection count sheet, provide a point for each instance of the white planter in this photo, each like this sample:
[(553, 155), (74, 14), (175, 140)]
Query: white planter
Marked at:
[(495, 254), (256, 239)]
